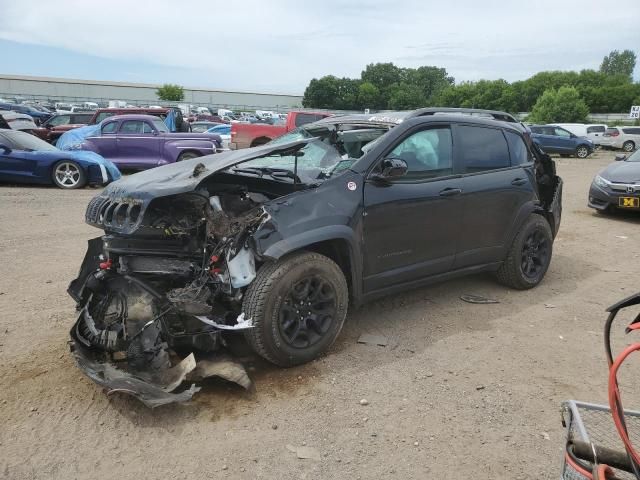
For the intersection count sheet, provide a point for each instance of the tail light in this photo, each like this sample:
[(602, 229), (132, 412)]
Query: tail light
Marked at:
[(615, 134)]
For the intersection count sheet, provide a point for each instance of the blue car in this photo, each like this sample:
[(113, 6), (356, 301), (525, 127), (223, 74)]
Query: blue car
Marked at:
[(24, 158), (554, 139)]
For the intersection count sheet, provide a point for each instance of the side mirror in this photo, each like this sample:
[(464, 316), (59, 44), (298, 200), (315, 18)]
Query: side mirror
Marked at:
[(4, 149), (394, 167), (620, 157)]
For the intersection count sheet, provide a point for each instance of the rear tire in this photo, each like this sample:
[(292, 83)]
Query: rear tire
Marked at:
[(298, 306), (628, 146), (529, 256)]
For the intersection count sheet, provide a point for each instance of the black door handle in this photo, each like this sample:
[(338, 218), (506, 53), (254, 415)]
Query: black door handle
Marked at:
[(519, 181), (449, 192)]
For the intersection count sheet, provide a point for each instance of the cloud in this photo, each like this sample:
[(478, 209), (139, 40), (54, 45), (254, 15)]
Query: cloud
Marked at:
[(282, 44)]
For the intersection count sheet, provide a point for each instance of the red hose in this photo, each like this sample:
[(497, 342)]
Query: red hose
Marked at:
[(577, 467), (615, 403)]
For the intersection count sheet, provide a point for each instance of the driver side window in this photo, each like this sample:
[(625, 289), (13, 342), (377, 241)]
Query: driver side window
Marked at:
[(427, 153), (109, 127)]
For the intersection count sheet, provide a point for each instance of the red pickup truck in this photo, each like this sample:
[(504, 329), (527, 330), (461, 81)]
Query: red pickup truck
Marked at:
[(245, 135)]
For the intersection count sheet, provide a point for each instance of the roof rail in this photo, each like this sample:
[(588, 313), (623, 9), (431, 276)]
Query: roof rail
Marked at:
[(476, 112)]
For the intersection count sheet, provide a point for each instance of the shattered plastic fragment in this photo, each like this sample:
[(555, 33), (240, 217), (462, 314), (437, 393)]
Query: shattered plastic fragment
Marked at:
[(478, 299), (241, 325), (223, 367), (370, 339)]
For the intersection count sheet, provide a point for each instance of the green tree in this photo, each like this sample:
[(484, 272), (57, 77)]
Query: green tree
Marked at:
[(619, 63), (170, 92), (405, 96), (561, 105), (321, 92), (368, 96), (430, 80), (383, 76)]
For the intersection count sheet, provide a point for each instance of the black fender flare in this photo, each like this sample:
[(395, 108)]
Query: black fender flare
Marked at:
[(322, 234)]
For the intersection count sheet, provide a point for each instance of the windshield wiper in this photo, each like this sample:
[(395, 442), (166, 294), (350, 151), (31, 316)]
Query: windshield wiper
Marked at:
[(273, 172)]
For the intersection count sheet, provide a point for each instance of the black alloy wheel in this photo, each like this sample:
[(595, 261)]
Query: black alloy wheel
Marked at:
[(535, 254), (307, 312)]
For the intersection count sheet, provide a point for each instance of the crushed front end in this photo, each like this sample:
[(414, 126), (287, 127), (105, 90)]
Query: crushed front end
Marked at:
[(157, 293)]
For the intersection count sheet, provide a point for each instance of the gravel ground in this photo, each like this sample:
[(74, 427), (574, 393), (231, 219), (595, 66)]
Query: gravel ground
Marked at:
[(461, 391)]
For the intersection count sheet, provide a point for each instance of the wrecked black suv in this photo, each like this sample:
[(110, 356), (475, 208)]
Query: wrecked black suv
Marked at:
[(276, 241)]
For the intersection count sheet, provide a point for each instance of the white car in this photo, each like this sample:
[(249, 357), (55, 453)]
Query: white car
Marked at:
[(592, 131), (626, 138)]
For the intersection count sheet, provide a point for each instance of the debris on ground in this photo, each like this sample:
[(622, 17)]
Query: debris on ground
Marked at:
[(369, 339), (478, 299), (304, 453), (364, 402), (549, 305)]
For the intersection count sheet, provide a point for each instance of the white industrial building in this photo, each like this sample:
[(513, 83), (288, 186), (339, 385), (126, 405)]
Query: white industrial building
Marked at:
[(72, 90)]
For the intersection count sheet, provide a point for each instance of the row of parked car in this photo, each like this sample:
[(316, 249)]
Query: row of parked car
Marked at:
[(142, 138)]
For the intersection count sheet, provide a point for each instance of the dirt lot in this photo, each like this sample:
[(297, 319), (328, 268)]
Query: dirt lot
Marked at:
[(462, 391)]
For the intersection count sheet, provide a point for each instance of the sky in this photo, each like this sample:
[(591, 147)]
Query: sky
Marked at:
[(278, 46)]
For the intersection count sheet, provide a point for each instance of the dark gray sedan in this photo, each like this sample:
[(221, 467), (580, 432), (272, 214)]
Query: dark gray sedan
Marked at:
[(618, 185)]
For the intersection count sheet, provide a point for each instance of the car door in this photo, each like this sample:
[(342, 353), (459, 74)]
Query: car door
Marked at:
[(412, 223), (496, 185), (138, 144), (105, 142), (565, 140), (17, 165)]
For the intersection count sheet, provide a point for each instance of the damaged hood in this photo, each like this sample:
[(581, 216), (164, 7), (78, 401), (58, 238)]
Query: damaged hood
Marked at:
[(185, 176)]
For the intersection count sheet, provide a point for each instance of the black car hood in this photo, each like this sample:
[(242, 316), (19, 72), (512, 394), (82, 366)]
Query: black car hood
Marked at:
[(185, 176), (622, 172)]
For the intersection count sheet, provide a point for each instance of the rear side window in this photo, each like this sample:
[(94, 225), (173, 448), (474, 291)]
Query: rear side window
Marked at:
[(304, 118), (482, 149), (132, 127), (80, 118), (536, 130), (518, 149), (596, 129), (631, 131)]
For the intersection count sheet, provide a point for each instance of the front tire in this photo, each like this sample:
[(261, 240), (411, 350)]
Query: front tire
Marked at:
[(582, 152), (628, 146), (529, 256), (188, 156), (68, 175), (298, 306)]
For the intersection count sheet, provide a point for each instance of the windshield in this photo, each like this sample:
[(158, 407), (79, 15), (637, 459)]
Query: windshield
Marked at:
[(292, 136), (327, 155), (26, 141), (160, 125), (634, 157)]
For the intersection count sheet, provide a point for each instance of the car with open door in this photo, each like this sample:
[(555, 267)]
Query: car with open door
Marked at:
[(277, 241)]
